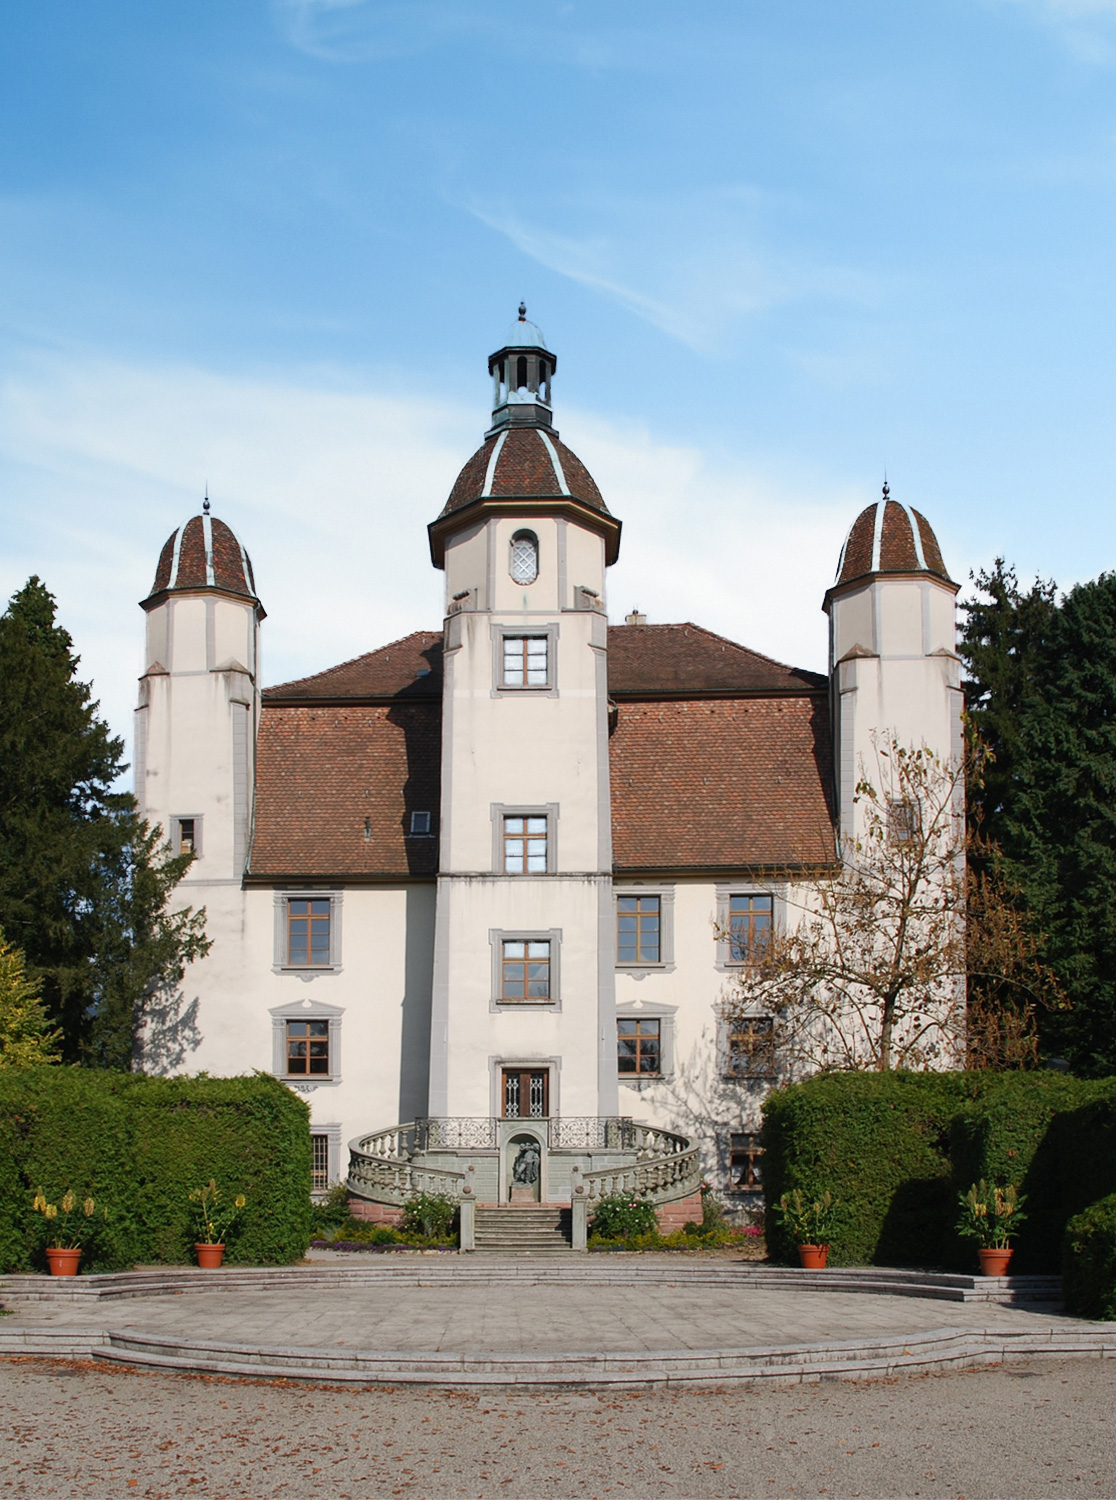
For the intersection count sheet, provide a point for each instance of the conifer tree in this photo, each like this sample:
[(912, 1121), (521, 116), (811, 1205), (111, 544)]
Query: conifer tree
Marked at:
[(25, 1035), (83, 882)]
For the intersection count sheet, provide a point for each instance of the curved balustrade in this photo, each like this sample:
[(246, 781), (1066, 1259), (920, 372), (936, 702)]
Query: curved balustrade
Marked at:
[(661, 1178), (388, 1179)]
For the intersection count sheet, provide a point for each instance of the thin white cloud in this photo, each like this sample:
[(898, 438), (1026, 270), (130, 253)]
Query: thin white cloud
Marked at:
[(330, 486), (354, 31), (1087, 28), (694, 266)]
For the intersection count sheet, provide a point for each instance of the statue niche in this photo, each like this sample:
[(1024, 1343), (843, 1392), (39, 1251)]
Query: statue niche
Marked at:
[(525, 1183)]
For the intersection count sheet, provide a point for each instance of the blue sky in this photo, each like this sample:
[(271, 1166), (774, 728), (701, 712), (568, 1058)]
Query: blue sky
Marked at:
[(777, 246)]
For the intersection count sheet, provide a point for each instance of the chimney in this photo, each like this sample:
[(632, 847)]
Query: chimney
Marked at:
[(635, 618)]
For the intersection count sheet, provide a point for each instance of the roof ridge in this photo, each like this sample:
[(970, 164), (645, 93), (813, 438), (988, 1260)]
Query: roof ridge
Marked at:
[(714, 636), (352, 660)]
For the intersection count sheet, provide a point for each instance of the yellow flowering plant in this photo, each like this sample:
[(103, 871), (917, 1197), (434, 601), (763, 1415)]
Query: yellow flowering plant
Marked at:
[(990, 1214), (213, 1219), (70, 1224)]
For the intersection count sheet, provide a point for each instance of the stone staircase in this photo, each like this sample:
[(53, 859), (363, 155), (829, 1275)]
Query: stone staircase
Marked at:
[(514, 1229)]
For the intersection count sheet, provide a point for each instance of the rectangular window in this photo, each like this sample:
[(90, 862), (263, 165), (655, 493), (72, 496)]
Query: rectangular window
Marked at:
[(307, 1048), (751, 1047), (903, 822), (308, 935), (525, 970), (745, 1162), (187, 836), (526, 661), (639, 1047), (524, 846), (525, 1093), (420, 824), (638, 927), (749, 927), (319, 1163)]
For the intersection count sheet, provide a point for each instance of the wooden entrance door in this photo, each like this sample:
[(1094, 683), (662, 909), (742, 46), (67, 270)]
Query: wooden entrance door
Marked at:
[(525, 1093)]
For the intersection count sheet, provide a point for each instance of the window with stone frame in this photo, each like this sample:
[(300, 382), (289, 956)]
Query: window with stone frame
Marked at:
[(638, 929), (639, 1046), (751, 1047), (307, 1049), (523, 558), (525, 841), (524, 969), (745, 1162), (750, 917), (526, 661), (903, 822), (308, 932)]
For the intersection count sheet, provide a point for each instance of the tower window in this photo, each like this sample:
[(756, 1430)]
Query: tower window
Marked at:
[(525, 970), (523, 564), (188, 830), (524, 846), (521, 371), (525, 661)]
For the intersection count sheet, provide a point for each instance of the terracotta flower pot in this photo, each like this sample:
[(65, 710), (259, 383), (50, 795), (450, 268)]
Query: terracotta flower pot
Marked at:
[(813, 1257), (994, 1262), (210, 1256), (63, 1262)]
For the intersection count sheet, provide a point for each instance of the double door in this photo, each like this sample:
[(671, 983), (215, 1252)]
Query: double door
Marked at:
[(525, 1093)]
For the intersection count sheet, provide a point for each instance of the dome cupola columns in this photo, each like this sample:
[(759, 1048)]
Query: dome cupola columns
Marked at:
[(522, 468), (521, 374)]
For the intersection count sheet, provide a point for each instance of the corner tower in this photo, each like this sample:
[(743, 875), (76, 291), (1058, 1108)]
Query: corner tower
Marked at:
[(523, 1014), (893, 661), (199, 698)]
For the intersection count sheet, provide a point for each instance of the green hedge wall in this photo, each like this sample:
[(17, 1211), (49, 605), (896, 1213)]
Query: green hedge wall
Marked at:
[(897, 1148), (1089, 1261), (138, 1146)]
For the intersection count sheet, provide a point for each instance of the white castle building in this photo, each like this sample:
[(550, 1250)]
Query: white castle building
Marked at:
[(478, 894)]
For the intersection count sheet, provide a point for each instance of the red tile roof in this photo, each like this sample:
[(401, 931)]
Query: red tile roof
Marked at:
[(336, 785), (720, 760), (524, 469), (721, 784), (894, 547), (191, 560)]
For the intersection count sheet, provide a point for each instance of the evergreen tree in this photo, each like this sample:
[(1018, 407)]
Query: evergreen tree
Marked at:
[(25, 1037), (1042, 691), (83, 882)]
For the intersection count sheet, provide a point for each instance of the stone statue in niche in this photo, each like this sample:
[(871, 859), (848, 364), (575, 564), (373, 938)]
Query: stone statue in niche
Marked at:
[(525, 1172)]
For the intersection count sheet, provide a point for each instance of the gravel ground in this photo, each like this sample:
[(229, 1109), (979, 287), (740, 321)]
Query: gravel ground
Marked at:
[(1044, 1428)]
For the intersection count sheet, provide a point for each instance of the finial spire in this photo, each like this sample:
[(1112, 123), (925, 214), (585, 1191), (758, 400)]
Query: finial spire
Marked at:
[(205, 502), (886, 488), (523, 312)]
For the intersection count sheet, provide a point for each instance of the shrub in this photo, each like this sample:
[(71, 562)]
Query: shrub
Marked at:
[(879, 1142), (138, 1146), (622, 1216), (430, 1215), (329, 1215), (1089, 1261)]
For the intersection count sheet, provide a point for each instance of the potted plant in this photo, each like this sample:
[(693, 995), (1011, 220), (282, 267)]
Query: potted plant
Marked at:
[(991, 1215), (213, 1223), (69, 1225), (810, 1225)]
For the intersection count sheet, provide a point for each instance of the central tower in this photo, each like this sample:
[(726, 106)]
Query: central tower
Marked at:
[(523, 1013)]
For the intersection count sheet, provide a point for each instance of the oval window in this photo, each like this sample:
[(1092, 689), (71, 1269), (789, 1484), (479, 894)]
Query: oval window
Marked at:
[(524, 563)]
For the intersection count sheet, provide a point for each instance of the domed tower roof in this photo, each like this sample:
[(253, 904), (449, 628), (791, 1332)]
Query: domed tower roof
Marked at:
[(522, 464), (889, 537), (203, 554)]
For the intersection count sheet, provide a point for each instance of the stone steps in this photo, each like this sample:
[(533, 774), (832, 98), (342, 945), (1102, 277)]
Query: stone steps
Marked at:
[(515, 1230)]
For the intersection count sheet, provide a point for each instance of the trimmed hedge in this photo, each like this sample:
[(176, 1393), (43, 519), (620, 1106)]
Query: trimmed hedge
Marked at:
[(138, 1145), (896, 1149), (1089, 1261)]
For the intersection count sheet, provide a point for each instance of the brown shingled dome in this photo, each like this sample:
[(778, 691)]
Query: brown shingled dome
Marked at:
[(204, 554), (524, 462), (889, 537)]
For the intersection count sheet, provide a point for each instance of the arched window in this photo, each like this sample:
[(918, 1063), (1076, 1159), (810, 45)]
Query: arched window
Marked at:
[(524, 562), (521, 371)]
